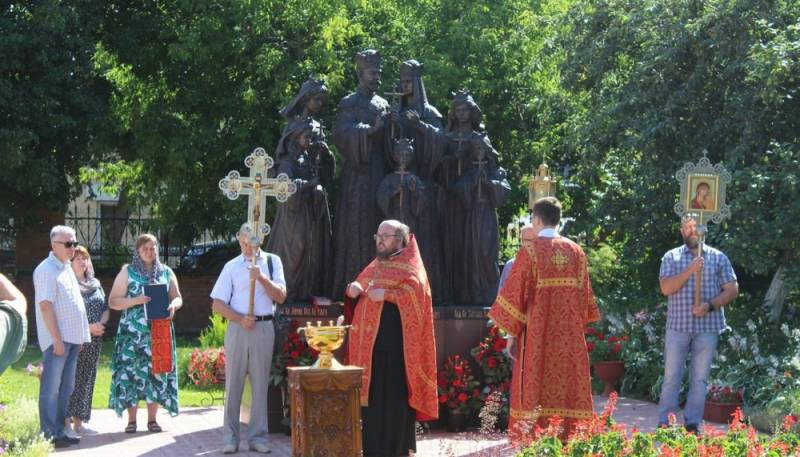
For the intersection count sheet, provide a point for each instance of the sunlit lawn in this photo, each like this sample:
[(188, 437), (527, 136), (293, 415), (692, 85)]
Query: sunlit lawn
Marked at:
[(16, 381)]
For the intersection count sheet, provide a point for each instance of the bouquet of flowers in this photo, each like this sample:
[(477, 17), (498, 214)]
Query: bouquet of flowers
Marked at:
[(493, 362), (458, 389), (295, 352), (724, 394), (207, 367), (604, 348)]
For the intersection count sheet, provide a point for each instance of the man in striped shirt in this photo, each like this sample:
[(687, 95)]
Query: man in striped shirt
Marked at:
[(692, 329)]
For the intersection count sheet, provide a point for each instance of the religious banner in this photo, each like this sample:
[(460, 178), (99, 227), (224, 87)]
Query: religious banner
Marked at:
[(703, 191)]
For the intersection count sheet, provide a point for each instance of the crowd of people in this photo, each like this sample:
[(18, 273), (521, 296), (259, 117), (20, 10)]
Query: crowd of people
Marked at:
[(544, 303)]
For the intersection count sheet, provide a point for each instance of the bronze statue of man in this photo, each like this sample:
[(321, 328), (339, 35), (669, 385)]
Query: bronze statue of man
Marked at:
[(358, 133)]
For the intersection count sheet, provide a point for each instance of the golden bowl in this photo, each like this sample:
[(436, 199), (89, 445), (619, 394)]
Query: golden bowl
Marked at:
[(325, 340)]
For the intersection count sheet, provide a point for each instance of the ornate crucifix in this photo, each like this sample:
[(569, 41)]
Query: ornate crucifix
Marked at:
[(257, 187)]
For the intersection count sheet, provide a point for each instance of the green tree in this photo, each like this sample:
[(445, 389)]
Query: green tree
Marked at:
[(52, 106)]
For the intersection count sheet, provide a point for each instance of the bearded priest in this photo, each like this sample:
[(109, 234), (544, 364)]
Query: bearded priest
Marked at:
[(392, 339)]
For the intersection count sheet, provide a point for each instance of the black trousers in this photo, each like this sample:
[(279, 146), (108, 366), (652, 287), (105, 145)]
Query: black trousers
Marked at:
[(388, 421)]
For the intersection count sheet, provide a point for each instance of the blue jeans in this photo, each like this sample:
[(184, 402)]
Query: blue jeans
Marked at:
[(55, 388), (702, 346)]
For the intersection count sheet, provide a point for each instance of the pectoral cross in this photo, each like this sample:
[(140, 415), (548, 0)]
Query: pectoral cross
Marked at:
[(257, 187), (402, 172), (459, 139)]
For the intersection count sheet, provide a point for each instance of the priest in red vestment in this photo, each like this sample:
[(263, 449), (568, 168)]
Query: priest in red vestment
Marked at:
[(544, 307), (392, 340)]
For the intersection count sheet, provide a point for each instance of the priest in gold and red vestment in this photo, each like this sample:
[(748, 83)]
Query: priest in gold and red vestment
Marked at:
[(544, 307), (392, 339)]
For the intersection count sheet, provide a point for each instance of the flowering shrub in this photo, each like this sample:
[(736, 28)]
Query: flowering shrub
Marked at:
[(604, 348), (496, 406), (724, 394), (493, 362), (207, 367), (602, 436), (458, 389), (295, 352), (35, 369)]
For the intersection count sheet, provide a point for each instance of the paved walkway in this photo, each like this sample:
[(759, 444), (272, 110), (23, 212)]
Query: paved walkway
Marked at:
[(197, 432)]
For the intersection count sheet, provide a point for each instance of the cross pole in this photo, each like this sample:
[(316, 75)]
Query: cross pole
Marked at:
[(257, 187)]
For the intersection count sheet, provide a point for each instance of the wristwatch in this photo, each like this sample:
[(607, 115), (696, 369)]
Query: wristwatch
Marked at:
[(711, 307)]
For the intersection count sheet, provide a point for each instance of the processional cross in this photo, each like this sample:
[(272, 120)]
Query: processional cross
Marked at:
[(257, 187)]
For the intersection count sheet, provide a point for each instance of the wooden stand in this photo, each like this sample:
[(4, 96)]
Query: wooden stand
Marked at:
[(326, 412)]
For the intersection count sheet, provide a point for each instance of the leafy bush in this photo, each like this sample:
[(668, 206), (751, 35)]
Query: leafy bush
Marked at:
[(213, 336), (19, 429)]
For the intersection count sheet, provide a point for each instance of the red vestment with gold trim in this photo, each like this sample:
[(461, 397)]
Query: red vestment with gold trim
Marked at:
[(546, 303), (404, 278)]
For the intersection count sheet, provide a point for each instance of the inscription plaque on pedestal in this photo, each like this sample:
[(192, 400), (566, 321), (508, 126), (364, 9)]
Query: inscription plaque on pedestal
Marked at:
[(326, 411)]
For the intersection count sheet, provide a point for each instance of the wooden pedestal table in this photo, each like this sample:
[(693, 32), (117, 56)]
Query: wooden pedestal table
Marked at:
[(326, 411)]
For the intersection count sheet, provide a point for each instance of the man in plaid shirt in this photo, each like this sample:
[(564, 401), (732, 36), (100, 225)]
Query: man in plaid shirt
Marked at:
[(692, 329)]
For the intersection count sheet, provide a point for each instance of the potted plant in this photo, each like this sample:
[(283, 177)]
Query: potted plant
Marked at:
[(721, 402), (496, 368), (605, 354), (295, 352), (458, 392)]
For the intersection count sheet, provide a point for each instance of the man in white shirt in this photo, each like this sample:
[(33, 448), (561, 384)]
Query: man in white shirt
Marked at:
[(62, 328), (249, 339)]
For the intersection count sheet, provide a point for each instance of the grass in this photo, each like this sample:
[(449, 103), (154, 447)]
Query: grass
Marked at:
[(15, 382)]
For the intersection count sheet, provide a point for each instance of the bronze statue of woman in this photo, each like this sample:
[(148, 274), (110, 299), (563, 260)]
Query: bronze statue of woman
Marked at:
[(301, 234), (463, 125), (482, 189)]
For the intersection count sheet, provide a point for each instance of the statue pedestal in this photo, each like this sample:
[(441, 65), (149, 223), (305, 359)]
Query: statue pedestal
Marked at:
[(326, 412)]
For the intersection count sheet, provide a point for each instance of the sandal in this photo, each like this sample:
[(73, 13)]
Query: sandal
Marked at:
[(131, 428), (153, 427)]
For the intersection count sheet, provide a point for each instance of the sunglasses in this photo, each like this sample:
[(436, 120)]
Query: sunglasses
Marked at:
[(68, 244)]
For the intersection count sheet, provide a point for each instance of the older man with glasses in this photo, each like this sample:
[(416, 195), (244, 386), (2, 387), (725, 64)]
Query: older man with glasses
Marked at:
[(62, 328)]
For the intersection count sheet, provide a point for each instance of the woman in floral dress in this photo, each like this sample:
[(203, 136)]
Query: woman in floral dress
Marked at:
[(132, 363), (80, 404)]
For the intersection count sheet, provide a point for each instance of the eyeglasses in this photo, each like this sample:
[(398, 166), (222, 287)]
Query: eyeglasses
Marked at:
[(383, 237), (68, 244)]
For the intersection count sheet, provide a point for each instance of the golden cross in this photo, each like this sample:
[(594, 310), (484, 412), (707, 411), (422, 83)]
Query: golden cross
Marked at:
[(256, 186), (559, 260)]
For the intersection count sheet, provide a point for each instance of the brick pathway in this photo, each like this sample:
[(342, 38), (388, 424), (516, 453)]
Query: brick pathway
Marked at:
[(197, 432)]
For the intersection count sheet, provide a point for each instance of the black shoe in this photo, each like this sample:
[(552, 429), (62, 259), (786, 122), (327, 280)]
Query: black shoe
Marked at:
[(691, 428), (60, 443)]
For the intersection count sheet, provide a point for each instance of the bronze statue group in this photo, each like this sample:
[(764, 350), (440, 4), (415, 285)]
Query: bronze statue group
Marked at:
[(404, 162)]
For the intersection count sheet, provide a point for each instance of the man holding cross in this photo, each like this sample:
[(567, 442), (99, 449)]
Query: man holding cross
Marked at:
[(250, 336)]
